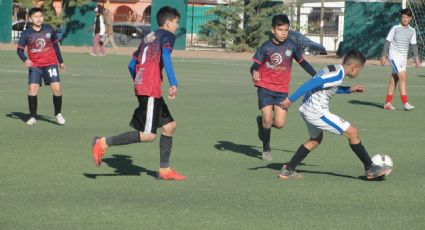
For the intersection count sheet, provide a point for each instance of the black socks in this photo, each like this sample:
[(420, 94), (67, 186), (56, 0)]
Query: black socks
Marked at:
[(32, 104), (298, 157), (361, 153), (266, 139), (123, 138), (165, 144), (57, 102)]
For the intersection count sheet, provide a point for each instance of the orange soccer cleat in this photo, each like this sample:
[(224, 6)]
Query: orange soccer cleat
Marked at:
[(170, 175), (98, 151)]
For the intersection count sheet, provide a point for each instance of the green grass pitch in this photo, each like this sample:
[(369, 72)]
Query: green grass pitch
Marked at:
[(49, 181)]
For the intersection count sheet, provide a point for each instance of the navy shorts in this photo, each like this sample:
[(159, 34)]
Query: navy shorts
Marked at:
[(48, 74), (151, 114), (267, 97)]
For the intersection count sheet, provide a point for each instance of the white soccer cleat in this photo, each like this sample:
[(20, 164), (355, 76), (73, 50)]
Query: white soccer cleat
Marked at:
[(31, 121), (389, 106), (408, 106), (60, 119)]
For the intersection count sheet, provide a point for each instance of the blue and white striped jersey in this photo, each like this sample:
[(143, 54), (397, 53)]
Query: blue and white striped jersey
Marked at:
[(400, 37), (319, 90)]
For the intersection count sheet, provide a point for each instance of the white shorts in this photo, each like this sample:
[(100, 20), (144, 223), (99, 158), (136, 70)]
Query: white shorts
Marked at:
[(398, 64), (328, 122)]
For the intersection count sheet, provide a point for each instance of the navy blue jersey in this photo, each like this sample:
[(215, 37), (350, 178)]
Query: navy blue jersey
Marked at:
[(276, 64), (40, 45), (149, 68)]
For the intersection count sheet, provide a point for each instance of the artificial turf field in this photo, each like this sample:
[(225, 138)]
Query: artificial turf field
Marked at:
[(48, 179)]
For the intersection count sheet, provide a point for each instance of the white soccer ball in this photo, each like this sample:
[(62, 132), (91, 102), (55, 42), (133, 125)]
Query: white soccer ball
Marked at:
[(383, 159)]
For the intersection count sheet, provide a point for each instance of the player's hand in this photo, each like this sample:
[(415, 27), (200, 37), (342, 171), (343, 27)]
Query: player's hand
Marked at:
[(357, 88), (28, 63), (255, 76), (383, 60), (62, 67), (285, 103), (172, 91)]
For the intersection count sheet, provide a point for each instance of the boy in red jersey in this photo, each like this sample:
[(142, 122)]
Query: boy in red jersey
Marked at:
[(153, 54), (43, 57), (271, 74)]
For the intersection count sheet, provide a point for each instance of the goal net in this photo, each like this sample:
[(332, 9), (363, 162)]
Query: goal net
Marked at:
[(418, 22)]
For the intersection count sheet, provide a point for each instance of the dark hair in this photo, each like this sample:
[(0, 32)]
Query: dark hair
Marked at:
[(166, 13), (406, 11), (280, 20), (34, 10), (354, 56)]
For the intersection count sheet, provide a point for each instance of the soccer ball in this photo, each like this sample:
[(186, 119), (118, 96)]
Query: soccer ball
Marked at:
[(383, 159)]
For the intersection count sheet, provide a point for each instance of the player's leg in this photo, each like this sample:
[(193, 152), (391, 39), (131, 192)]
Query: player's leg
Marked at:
[(403, 91), (166, 143), (316, 136), (392, 85), (51, 77), (265, 104), (372, 171), (35, 75), (96, 40), (266, 125), (32, 103), (144, 120), (279, 120)]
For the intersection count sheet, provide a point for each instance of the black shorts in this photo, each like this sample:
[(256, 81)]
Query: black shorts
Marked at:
[(268, 97), (151, 114), (48, 74)]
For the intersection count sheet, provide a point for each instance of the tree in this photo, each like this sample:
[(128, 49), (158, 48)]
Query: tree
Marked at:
[(240, 25), (225, 30), (50, 15), (258, 17)]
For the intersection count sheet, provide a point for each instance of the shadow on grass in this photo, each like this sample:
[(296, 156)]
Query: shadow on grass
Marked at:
[(421, 75), (367, 103), (249, 150), (123, 167), (24, 117), (278, 166)]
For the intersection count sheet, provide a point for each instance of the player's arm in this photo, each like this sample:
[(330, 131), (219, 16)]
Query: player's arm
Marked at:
[(385, 49), (308, 68), (384, 53), (414, 49), (133, 62), (350, 89), (55, 42), (168, 66), (313, 83), (254, 71), (258, 60), (303, 63), (59, 55), (21, 50)]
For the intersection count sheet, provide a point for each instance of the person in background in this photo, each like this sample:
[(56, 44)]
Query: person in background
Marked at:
[(99, 31)]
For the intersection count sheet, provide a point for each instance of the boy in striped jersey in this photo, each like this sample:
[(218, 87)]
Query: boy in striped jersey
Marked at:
[(397, 42), (315, 113)]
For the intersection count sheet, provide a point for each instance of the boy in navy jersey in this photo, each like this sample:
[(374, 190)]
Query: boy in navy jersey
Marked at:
[(43, 58), (153, 54), (271, 74)]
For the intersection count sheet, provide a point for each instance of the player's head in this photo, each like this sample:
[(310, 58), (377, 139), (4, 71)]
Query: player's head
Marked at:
[(280, 27), (406, 16), (168, 19), (36, 16), (353, 63)]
